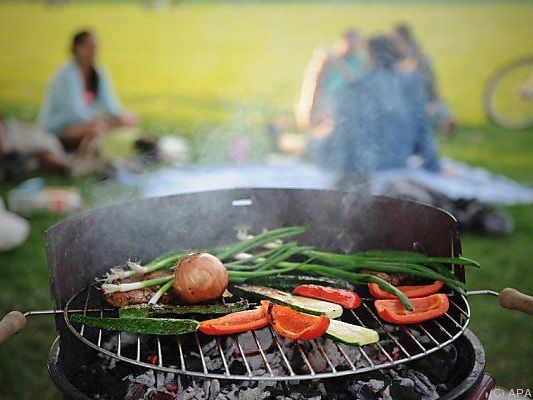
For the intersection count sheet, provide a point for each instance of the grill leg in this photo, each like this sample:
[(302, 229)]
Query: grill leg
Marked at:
[(482, 390)]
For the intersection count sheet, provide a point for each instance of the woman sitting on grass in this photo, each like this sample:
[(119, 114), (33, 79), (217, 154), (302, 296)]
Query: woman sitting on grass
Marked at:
[(80, 104)]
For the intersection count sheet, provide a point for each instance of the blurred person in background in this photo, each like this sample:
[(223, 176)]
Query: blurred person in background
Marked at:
[(414, 58), (25, 147), (381, 119), (80, 104), (328, 72)]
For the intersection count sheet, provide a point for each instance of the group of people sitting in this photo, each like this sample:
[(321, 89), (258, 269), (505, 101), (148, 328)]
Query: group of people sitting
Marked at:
[(369, 105), (79, 107)]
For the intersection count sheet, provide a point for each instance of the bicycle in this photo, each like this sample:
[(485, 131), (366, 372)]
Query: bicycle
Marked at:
[(508, 97)]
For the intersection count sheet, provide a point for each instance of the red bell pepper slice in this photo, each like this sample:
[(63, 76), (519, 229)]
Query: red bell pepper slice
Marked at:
[(412, 292), (424, 309), (345, 298), (294, 325), (237, 322)]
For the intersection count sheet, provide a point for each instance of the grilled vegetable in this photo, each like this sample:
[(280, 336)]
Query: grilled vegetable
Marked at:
[(357, 279), (424, 309), (151, 310), (393, 256), (248, 262), (410, 256), (294, 325), (345, 298), (199, 277), (310, 306), (289, 282), (412, 264), (149, 326), (410, 291), (260, 240), (351, 334), (238, 322)]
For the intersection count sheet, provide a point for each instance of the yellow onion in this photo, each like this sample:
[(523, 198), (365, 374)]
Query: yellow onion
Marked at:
[(199, 277)]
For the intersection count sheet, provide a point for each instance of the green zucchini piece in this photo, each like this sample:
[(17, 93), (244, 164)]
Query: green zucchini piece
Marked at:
[(303, 304), (151, 310), (289, 282), (349, 334), (150, 326)]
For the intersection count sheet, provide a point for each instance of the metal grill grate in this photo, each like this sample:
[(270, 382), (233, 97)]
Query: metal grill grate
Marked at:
[(264, 355)]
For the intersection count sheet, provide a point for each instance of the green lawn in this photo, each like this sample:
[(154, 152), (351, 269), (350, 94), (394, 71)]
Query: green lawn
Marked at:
[(189, 68)]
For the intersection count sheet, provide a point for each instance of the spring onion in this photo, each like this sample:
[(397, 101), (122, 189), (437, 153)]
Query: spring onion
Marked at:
[(160, 293), (259, 240)]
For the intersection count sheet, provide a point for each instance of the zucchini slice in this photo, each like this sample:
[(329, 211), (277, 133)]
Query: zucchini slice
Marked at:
[(299, 303), (289, 282), (149, 326), (349, 334), (153, 310)]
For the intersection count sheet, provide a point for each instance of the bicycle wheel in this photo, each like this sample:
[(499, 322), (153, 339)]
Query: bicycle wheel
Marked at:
[(509, 95)]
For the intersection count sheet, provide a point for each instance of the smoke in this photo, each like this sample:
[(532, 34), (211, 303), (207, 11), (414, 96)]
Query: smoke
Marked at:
[(242, 139)]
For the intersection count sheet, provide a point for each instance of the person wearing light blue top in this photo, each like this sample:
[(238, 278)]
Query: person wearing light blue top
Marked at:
[(80, 103)]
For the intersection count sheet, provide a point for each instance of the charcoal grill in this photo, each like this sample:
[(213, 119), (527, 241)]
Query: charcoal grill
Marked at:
[(441, 332), (83, 248)]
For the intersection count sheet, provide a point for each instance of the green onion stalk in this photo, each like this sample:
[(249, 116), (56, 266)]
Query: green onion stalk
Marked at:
[(414, 270), (168, 260), (399, 255), (353, 262), (259, 240), (165, 261), (161, 292)]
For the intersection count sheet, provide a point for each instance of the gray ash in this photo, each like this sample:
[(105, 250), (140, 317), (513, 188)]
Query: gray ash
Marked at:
[(120, 381), (425, 379), (400, 383)]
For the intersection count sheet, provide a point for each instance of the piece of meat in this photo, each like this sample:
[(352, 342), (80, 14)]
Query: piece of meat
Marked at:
[(138, 296), (393, 279)]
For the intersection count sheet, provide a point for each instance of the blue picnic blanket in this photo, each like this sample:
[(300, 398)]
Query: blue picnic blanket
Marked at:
[(456, 181)]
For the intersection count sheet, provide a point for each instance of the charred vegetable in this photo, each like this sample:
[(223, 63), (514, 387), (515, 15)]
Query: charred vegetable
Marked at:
[(199, 277), (149, 326), (151, 310)]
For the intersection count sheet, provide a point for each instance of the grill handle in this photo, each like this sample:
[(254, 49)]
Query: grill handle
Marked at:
[(12, 323), (515, 300)]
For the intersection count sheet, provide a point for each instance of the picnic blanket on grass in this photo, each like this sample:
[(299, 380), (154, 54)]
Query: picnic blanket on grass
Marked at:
[(458, 181)]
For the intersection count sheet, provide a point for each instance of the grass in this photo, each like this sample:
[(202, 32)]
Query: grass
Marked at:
[(188, 69), (207, 61)]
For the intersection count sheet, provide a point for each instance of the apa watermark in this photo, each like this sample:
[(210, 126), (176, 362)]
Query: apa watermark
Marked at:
[(516, 393)]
